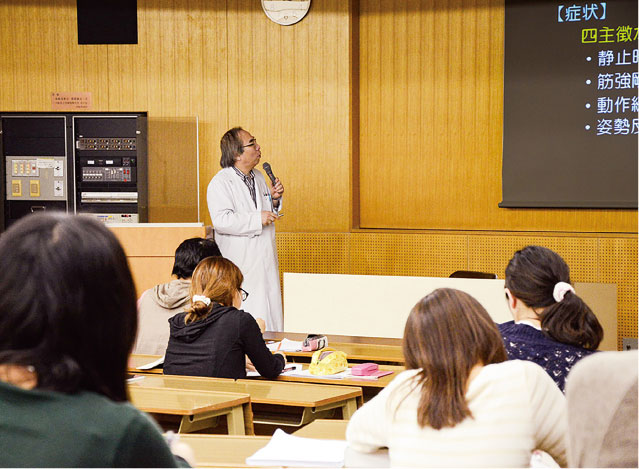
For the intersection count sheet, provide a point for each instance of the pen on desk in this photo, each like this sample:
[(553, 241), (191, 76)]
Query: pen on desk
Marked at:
[(278, 346)]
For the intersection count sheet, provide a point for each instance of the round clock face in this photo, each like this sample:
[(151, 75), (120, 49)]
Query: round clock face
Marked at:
[(286, 12)]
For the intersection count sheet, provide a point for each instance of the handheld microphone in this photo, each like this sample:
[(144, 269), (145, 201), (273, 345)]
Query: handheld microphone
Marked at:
[(269, 172)]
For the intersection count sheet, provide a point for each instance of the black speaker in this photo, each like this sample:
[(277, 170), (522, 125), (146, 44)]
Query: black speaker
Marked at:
[(107, 21)]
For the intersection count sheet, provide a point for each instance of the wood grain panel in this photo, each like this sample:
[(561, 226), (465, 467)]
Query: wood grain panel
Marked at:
[(422, 255), (431, 101), (290, 89), (618, 259), (8, 50)]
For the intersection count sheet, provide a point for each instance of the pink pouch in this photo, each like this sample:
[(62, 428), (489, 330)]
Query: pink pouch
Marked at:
[(314, 342), (365, 369)]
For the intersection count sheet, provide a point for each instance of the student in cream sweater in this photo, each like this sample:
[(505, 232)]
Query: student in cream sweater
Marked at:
[(460, 403)]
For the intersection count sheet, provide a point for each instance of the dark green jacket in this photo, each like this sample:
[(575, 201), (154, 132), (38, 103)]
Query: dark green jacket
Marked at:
[(51, 429)]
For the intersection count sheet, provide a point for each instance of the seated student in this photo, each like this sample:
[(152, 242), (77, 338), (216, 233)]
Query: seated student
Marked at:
[(553, 327), (460, 403), (158, 304), (601, 395), (67, 323), (212, 336)]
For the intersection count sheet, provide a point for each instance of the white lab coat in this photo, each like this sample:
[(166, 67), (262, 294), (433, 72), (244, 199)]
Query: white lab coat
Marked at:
[(243, 240)]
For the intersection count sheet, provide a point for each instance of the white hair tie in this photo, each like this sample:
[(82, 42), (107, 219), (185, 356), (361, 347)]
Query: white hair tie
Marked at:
[(560, 290), (204, 299)]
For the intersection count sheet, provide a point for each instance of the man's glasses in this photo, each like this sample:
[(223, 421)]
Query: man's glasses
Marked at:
[(252, 144), (244, 294)]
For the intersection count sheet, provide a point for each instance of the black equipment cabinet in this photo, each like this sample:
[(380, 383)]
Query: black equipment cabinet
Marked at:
[(75, 162)]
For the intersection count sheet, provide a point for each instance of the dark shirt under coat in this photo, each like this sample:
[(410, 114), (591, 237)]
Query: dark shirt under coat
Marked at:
[(216, 346)]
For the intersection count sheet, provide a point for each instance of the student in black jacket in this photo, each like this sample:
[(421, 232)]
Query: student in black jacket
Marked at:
[(212, 336)]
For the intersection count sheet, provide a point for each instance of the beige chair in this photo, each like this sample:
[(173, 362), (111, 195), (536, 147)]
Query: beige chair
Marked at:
[(601, 393)]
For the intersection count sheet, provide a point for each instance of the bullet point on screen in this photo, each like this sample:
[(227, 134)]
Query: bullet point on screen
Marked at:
[(588, 59), (588, 82), (587, 127), (587, 105)]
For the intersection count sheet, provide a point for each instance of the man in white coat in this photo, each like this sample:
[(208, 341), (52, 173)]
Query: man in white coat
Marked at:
[(243, 210)]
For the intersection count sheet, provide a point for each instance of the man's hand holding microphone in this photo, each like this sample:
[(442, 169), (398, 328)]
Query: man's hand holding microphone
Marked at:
[(277, 190)]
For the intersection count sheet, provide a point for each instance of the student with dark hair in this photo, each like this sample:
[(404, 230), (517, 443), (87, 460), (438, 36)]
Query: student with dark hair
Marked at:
[(67, 324), (212, 336), (460, 403), (552, 326), (158, 304)]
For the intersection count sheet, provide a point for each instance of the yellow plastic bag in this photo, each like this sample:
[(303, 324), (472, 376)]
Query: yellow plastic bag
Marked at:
[(327, 361)]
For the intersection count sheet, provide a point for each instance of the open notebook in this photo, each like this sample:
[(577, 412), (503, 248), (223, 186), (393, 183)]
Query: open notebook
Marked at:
[(288, 450)]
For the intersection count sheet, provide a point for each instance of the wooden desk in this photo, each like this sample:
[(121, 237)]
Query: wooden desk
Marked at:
[(232, 451), (223, 450), (271, 400), (376, 385), (199, 409), (136, 360), (324, 429)]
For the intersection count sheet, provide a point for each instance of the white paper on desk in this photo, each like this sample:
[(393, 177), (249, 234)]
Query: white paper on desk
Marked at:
[(289, 368), (285, 345), (153, 364), (288, 450)]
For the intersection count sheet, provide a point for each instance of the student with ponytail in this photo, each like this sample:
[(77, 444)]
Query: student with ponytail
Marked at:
[(552, 326), (460, 402), (212, 336)]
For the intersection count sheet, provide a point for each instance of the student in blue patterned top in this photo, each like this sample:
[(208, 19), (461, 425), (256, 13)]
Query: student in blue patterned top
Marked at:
[(67, 324), (552, 326)]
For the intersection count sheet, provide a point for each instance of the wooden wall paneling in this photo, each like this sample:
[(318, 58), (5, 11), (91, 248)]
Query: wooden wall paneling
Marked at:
[(68, 55), (8, 52), (168, 18), (618, 264), (34, 42), (153, 58), (320, 195), (172, 174), (413, 89), (214, 120), (240, 60), (303, 206), (491, 253), (182, 25), (313, 90), (38, 37), (369, 108), (150, 271), (128, 54), (284, 157), (24, 66), (427, 255), (320, 253), (95, 73), (354, 118), (115, 77), (138, 72), (287, 90), (341, 104)]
